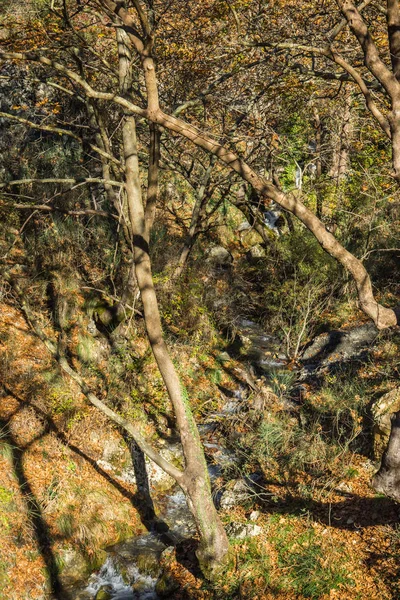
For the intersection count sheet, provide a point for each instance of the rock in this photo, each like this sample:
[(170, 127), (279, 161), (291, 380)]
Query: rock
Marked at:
[(244, 226), (104, 593), (340, 344), (241, 531), (118, 460), (344, 487), (255, 253), (254, 515), (75, 567), (219, 256), (166, 586), (381, 412), (111, 449), (224, 357), (237, 493)]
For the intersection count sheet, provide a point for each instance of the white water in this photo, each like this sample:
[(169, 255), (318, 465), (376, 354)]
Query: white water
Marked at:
[(109, 577)]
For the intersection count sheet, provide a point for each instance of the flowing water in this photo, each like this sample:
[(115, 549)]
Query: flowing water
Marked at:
[(125, 561)]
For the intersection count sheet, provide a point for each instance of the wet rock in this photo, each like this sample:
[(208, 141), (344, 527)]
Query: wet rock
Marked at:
[(382, 412), (104, 593)]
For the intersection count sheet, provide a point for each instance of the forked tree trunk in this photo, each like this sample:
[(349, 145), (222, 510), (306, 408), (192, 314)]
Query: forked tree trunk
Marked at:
[(194, 481), (387, 479)]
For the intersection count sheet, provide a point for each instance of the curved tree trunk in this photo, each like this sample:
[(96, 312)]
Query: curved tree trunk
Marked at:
[(195, 480), (383, 317)]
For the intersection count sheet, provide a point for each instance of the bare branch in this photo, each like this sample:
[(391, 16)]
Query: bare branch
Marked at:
[(59, 131), (75, 182), (47, 208), (90, 92)]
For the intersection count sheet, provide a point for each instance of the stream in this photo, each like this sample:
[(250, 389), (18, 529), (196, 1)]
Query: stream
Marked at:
[(132, 568)]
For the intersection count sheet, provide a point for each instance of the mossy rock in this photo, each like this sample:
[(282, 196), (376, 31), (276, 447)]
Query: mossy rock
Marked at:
[(104, 593), (148, 564), (166, 586)]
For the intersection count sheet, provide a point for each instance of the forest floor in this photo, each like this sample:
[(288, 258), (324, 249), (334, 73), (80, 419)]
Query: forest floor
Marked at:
[(58, 505)]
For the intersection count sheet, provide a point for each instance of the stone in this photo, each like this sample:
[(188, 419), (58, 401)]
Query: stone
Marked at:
[(340, 343), (237, 492), (104, 593), (241, 531), (5, 34), (344, 487), (381, 413), (224, 357), (74, 567), (255, 253), (219, 256), (254, 515)]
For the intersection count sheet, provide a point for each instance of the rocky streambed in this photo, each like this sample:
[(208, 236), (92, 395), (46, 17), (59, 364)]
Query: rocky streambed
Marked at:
[(132, 569)]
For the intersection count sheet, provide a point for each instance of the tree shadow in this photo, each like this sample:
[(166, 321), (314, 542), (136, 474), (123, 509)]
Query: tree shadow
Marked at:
[(353, 513), (141, 500), (40, 528)]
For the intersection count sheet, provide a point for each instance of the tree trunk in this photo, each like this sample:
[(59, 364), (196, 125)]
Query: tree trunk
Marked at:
[(341, 142), (318, 173), (214, 545), (195, 480), (387, 479)]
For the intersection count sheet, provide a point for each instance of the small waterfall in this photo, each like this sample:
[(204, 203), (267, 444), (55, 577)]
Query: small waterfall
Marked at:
[(109, 579)]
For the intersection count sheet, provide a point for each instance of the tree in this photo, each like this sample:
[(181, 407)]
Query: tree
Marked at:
[(121, 75)]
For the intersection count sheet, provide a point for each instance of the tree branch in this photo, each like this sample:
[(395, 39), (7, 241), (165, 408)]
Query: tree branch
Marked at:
[(371, 55), (47, 208), (59, 131), (75, 182)]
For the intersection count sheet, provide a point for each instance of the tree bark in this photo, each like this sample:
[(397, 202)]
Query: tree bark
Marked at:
[(387, 479), (195, 480)]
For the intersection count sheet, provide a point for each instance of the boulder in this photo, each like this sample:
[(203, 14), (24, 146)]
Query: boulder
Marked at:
[(104, 593), (382, 412), (219, 256), (340, 345)]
